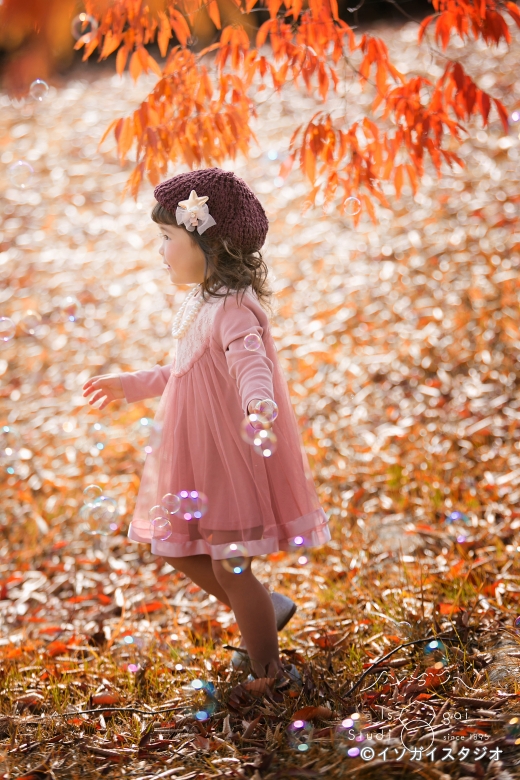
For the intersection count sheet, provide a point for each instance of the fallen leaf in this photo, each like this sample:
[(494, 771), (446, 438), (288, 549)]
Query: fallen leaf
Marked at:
[(312, 713)]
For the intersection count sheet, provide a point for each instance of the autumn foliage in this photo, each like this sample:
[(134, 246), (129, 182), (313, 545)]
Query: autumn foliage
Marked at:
[(200, 110)]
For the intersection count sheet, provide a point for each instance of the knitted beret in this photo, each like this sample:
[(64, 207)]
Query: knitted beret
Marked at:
[(238, 213)]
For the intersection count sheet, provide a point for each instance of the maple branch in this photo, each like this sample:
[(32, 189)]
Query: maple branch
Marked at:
[(401, 10)]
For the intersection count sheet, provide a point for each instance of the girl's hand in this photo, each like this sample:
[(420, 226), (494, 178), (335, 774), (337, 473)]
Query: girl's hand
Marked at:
[(106, 386)]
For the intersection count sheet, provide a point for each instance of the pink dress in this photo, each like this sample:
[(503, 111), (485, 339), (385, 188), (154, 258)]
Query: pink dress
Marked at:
[(264, 504)]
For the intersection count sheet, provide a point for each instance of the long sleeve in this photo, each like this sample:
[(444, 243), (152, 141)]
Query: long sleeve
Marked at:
[(148, 383), (252, 371)]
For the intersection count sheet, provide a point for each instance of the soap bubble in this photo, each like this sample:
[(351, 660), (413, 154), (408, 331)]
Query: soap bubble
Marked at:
[(272, 154), (160, 526), (267, 409), (101, 516), (21, 174), (7, 329), (517, 622), (435, 652), (297, 542), (9, 444), (149, 434), (205, 708), (252, 342), (84, 26), (30, 322), (194, 504), (250, 426), (133, 668), (513, 730), (264, 443), (350, 730), (456, 517), (170, 503), (404, 628), (236, 558), (70, 307), (154, 438), (98, 432), (38, 89), (299, 735), (515, 117), (92, 492), (352, 206), (302, 560)]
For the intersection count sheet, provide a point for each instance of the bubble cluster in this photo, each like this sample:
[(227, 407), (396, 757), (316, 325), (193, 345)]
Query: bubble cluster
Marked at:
[(252, 342), (236, 558), (299, 735), (7, 329), (21, 174), (84, 26), (39, 89)]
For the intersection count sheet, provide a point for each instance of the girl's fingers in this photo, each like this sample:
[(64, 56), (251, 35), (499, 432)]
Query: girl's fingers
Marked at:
[(97, 395), (91, 389), (92, 381)]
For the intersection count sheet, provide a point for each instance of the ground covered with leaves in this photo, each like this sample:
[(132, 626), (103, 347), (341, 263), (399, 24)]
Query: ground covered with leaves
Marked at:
[(401, 343)]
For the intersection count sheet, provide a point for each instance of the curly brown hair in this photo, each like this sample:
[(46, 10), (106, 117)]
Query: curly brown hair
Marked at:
[(227, 267)]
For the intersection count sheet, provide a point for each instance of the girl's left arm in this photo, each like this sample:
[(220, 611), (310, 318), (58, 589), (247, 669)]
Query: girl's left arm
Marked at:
[(147, 383), (252, 371)]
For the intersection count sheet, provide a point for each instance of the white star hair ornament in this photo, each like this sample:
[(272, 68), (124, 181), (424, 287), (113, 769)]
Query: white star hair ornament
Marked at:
[(193, 213)]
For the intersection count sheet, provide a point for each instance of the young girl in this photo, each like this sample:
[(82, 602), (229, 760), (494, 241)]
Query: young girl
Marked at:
[(212, 228)]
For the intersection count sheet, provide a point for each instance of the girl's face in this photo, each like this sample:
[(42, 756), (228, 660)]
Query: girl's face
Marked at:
[(183, 258)]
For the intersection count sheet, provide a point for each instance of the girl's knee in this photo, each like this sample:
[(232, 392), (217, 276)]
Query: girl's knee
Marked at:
[(226, 577)]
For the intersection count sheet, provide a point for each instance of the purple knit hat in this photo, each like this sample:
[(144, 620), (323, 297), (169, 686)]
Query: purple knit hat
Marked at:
[(231, 210)]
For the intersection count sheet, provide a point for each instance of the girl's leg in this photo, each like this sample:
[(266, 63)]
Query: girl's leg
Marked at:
[(254, 611), (198, 568)]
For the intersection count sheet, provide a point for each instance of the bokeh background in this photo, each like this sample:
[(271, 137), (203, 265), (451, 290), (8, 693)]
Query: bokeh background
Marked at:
[(400, 341)]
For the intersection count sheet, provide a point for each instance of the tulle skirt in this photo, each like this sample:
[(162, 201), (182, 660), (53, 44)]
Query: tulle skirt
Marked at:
[(250, 504)]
